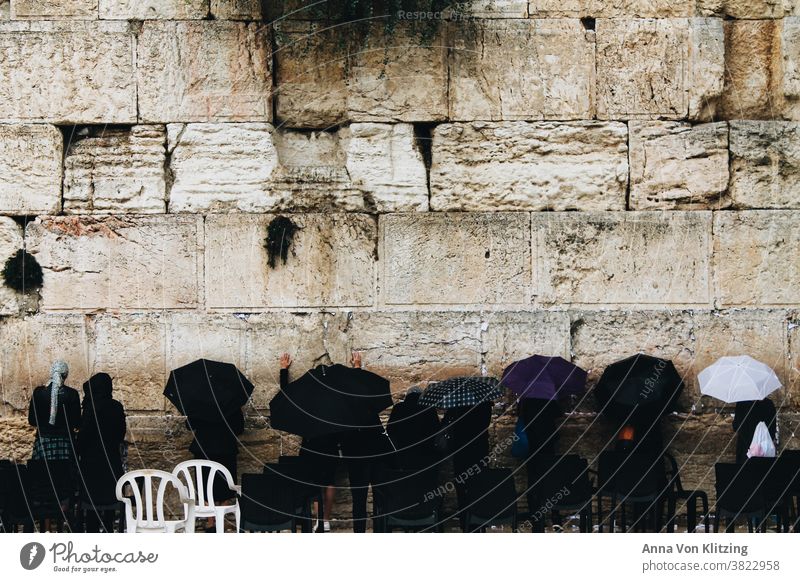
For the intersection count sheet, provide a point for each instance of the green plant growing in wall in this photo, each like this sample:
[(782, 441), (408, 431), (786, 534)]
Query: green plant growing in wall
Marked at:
[(22, 272), (280, 237)]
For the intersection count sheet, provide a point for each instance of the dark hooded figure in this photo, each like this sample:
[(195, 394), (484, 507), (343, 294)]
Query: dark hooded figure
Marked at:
[(100, 440), (469, 441), (218, 441), (412, 429), (55, 411), (746, 417)]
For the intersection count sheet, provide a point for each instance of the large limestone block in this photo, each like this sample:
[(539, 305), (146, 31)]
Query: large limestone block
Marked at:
[(641, 68), (116, 172), (310, 74), (754, 332), (10, 242), (765, 164), (453, 258), (29, 347), (153, 9), (414, 347), (529, 166), (236, 9), (790, 55), (330, 263), (307, 337), (44, 76), (622, 258), (192, 336), (221, 166), (386, 164), (118, 262), (752, 70), (521, 69), (132, 349), (488, 9), (30, 169), (398, 76), (512, 336), (793, 357), (611, 8), (678, 166), (53, 9), (756, 258), (748, 9), (706, 67), (250, 167), (204, 71)]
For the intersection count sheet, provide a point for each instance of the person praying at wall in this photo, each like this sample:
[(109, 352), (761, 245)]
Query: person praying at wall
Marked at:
[(468, 429), (747, 415), (55, 411), (100, 442)]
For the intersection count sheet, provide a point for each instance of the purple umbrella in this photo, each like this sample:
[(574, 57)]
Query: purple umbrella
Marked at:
[(544, 377)]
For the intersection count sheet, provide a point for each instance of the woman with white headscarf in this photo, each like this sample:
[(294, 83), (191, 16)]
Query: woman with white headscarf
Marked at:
[(55, 411)]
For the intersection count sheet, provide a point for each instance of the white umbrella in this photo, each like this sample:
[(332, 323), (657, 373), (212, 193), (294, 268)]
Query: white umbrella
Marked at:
[(737, 378)]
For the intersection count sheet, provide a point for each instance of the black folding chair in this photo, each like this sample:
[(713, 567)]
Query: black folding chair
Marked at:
[(490, 500), (689, 497), (636, 479), (789, 463), (407, 500), (51, 490), (298, 472), (268, 503), (563, 484), (740, 494)]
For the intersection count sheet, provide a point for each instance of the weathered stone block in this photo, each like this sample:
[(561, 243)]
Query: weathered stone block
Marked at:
[(790, 55), (30, 169), (397, 77), (44, 75), (748, 9), (118, 262), (10, 242), (678, 166), (132, 349), (529, 166), (192, 336), (521, 69), (756, 258), (625, 258), (221, 166), (793, 358), (153, 9), (509, 336), (488, 9), (642, 67), (455, 258), (204, 71), (236, 9), (29, 347), (331, 262), (611, 9), (385, 163), (310, 74), (413, 347), (252, 168), (53, 9), (757, 333), (752, 70), (765, 164), (117, 172)]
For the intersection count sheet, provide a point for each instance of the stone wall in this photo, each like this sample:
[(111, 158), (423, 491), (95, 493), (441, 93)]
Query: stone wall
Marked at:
[(581, 178)]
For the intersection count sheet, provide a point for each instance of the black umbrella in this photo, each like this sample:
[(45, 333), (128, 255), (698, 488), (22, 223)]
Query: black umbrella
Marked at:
[(208, 390), (330, 399), (639, 386)]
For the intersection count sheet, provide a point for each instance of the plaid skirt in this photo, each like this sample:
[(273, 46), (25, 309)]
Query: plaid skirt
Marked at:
[(52, 448)]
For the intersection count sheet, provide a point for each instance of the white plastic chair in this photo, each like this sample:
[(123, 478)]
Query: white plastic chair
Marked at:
[(144, 520), (191, 473)]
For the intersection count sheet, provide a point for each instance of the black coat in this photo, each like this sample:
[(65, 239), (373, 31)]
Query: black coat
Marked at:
[(412, 429), (541, 424), (68, 416), (216, 440), (469, 430)]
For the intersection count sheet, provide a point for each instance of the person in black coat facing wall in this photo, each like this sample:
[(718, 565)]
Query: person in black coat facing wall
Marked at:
[(746, 417), (412, 429), (468, 428), (100, 440), (55, 411)]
